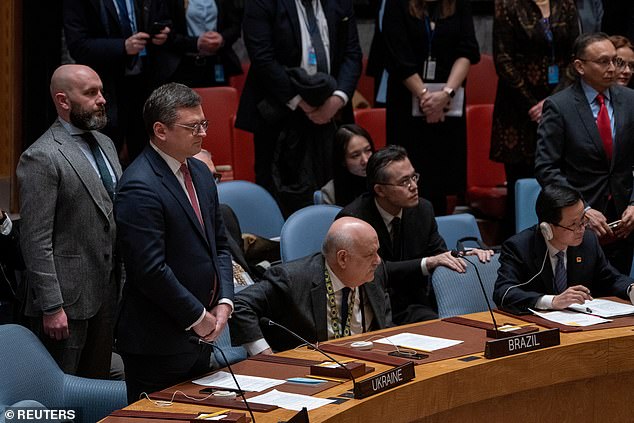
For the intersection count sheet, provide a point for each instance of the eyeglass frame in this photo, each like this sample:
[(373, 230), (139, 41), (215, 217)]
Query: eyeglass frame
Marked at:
[(628, 64), (195, 128), (585, 221), (406, 183), (617, 61)]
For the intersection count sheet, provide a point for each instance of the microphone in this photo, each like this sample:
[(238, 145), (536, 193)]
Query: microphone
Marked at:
[(265, 321), (495, 333), (196, 340)]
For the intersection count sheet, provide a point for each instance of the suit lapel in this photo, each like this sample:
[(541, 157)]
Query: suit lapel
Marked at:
[(331, 19), (318, 299), (174, 187), (203, 192), (82, 167), (376, 221), (586, 117), (111, 10), (546, 275), (293, 18), (619, 124)]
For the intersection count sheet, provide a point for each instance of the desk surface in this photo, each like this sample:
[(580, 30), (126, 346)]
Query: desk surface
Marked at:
[(588, 378)]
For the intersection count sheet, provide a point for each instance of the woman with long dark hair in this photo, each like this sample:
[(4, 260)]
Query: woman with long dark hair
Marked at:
[(352, 148)]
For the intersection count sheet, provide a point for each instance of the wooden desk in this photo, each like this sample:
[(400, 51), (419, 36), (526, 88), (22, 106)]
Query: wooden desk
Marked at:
[(588, 378)]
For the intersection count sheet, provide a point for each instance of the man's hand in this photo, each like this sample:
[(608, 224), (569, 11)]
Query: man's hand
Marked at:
[(56, 325), (598, 222), (136, 43), (535, 112), (483, 255), (206, 326), (447, 260), (324, 113), (209, 43), (577, 294), (267, 351), (221, 314), (624, 228), (307, 108), (160, 38)]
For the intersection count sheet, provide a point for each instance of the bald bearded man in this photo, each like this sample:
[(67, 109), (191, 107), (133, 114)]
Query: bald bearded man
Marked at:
[(67, 179)]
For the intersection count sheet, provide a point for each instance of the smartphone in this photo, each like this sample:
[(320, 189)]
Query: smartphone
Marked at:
[(157, 26), (614, 224)]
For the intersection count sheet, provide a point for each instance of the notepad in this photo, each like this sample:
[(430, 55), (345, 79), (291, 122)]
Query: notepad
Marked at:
[(603, 308)]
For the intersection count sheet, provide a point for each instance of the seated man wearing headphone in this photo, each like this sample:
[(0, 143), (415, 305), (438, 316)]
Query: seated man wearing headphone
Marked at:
[(556, 263)]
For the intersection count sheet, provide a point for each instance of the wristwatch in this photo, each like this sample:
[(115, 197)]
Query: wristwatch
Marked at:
[(449, 91)]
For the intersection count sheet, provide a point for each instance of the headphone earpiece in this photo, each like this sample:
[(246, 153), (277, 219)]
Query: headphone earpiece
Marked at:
[(547, 231)]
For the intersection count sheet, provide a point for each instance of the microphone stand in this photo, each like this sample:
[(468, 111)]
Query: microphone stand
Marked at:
[(197, 340), (268, 322)]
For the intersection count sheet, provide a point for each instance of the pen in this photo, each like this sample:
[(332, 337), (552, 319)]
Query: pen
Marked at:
[(208, 415), (589, 310)]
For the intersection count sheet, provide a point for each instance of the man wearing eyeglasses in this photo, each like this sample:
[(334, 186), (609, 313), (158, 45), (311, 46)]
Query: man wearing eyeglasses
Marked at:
[(585, 141), (407, 233), (172, 238), (556, 263)]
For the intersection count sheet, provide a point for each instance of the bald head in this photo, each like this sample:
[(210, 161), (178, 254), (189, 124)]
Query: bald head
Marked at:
[(76, 91), (351, 250)]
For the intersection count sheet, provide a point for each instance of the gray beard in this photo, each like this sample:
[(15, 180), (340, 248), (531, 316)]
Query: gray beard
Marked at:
[(88, 121)]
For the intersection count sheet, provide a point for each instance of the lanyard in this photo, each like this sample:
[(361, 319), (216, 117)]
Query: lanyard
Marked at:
[(338, 329), (548, 32), (430, 34)]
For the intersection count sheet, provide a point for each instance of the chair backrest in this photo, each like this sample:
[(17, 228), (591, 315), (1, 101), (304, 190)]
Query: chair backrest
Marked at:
[(482, 82), (455, 226), (232, 354), (28, 371), (219, 105), (526, 192), (460, 293), (365, 86), (257, 211), (237, 81), (373, 121), (481, 171), (305, 230)]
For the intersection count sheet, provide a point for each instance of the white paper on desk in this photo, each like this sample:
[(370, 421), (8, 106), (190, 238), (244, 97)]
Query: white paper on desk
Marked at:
[(455, 107), (290, 401), (570, 318), (247, 383), (603, 308), (418, 342)]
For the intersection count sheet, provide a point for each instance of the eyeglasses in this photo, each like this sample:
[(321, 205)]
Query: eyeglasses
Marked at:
[(404, 183), (606, 61), (196, 128), (577, 226), (628, 65)]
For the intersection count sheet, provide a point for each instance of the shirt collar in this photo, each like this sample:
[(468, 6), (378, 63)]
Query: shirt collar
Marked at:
[(387, 217), (337, 285), (72, 129), (591, 93), (552, 251), (173, 164)]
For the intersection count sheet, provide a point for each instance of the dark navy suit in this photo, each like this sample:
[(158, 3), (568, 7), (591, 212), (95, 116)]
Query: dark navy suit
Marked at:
[(171, 263)]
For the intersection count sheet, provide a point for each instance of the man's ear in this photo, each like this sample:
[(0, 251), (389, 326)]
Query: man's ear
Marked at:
[(379, 190), (578, 66), (342, 258), (62, 99), (159, 130)]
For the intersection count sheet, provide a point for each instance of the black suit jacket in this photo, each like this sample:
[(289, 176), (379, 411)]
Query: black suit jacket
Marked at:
[(420, 239), (294, 295), (570, 151), (10, 261), (273, 40), (170, 260), (523, 256)]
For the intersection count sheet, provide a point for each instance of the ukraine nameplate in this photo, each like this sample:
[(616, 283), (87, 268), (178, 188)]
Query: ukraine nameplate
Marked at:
[(384, 381)]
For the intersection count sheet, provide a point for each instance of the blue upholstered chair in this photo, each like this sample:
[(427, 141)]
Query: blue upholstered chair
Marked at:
[(526, 192), (318, 197), (305, 230), (456, 226), (28, 372), (257, 211), (460, 293), (233, 354)]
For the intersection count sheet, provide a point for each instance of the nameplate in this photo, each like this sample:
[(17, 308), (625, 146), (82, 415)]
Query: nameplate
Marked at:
[(521, 343), (384, 381)]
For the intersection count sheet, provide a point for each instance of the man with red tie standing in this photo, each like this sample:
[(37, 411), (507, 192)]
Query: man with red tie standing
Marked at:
[(586, 141), (172, 238)]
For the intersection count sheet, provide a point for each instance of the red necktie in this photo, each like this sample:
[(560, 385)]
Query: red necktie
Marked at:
[(191, 193), (605, 128)]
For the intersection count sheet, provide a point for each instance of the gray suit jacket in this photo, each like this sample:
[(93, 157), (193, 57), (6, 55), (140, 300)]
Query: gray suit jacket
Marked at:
[(294, 295), (68, 228), (570, 151)]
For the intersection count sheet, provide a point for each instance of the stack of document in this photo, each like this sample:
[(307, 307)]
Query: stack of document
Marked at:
[(418, 342), (603, 308)]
